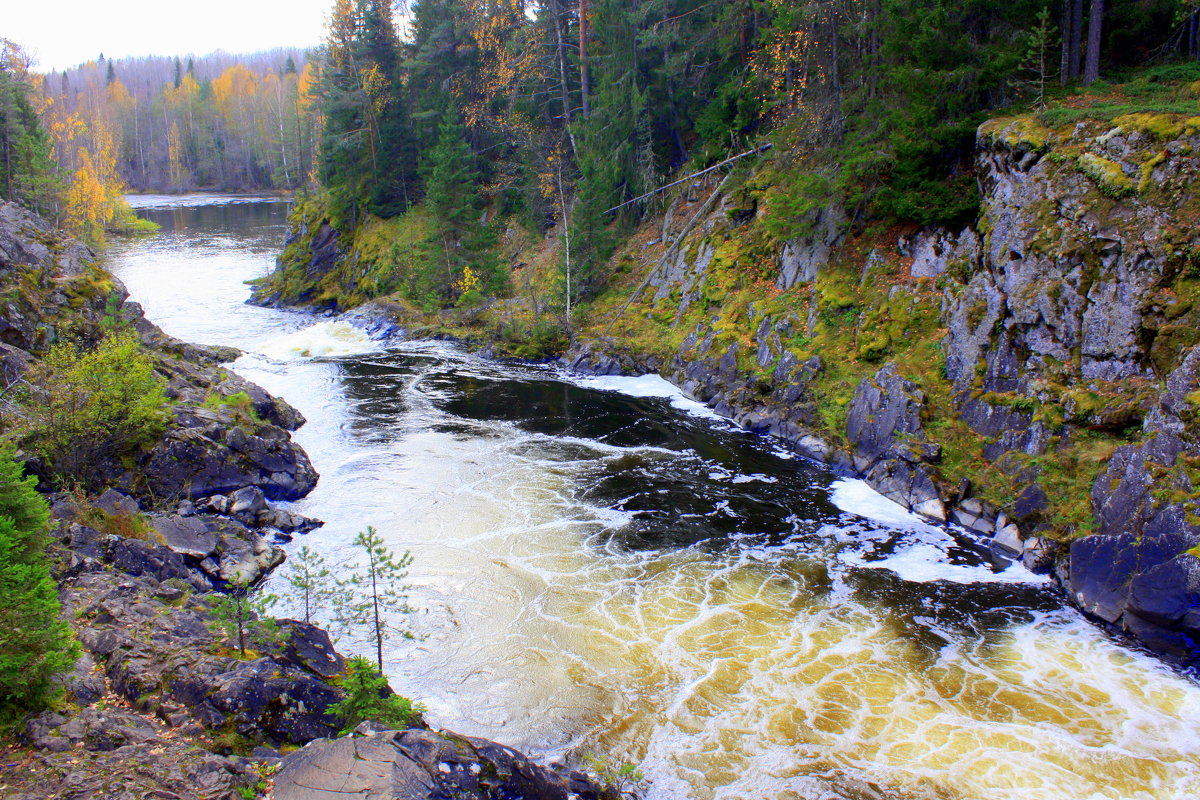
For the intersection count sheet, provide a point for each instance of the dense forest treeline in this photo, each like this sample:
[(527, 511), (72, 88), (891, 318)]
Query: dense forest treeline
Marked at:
[(72, 143), (559, 111), (568, 111), (216, 122)]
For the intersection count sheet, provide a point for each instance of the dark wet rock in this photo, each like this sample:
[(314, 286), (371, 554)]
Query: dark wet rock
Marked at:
[(223, 549), (419, 764), (310, 648), (890, 450), (1148, 585), (603, 357), (117, 503), (190, 463), (267, 698), (269, 408)]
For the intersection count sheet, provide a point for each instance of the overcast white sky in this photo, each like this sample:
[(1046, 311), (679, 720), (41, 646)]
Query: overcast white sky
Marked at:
[(64, 33)]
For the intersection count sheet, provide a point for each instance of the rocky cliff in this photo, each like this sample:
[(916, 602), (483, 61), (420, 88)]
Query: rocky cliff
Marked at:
[(1039, 381), (1030, 378)]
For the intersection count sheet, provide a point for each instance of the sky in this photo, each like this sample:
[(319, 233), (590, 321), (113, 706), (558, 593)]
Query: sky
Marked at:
[(64, 33)]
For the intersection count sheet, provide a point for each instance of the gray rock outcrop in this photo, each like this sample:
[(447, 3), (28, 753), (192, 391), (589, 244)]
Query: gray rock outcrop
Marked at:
[(423, 765)]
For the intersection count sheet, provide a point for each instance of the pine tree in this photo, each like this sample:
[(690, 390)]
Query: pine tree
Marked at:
[(452, 193), (244, 616), (313, 585), (379, 595)]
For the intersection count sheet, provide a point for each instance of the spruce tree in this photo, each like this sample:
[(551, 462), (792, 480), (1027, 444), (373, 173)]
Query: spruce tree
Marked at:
[(452, 193), (35, 643), (393, 176)]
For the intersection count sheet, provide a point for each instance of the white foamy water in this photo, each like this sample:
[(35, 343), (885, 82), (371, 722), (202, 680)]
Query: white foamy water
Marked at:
[(649, 385), (323, 340), (921, 555)]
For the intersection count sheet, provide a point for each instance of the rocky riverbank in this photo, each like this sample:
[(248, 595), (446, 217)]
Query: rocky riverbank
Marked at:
[(161, 703), (1030, 378)]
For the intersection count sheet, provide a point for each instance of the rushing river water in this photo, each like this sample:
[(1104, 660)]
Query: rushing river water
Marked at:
[(603, 567)]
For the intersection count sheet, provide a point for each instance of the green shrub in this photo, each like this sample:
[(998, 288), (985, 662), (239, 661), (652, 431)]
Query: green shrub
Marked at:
[(88, 407), (35, 643), (240, 403), (369, 698)]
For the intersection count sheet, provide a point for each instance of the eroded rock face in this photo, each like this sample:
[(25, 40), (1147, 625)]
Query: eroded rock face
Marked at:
[(320, 248), (1141, 572), (889, 444), (146, 619), (800, 259), (422, 765)]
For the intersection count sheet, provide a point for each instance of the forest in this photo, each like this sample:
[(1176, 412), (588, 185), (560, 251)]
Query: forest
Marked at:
[(458, 112)]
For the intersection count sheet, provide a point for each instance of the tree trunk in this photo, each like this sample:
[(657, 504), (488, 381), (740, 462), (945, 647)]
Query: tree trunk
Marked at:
[(1072, 25), (559, 46), (1076, 38), (1091, 67), (585, 80)]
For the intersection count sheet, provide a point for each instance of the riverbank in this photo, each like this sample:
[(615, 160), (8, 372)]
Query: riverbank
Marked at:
[(146, 549), (587, 549), (1025, 378)]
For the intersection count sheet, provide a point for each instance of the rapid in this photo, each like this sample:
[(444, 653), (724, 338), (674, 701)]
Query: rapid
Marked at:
[(604, 567)]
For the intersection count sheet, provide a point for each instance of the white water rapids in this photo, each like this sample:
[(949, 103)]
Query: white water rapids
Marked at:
[(602, 567)]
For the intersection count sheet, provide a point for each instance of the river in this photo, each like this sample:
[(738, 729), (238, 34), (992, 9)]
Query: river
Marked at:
[(601, 566)]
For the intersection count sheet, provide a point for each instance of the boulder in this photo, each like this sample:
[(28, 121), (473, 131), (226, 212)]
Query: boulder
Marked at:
[(188, 536), (1147, 585), (223, 549), (422, 765)]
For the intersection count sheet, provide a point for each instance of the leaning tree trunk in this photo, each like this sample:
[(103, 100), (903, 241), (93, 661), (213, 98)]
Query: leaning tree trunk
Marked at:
[(1091, 67)]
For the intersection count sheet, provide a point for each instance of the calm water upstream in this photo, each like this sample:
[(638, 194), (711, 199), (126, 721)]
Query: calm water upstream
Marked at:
[(601, 566)]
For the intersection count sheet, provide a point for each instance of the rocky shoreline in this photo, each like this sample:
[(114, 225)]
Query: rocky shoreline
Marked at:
[(159, 703), (1062, 322)]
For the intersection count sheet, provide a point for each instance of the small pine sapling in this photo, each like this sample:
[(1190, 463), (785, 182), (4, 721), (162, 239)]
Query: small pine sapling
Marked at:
[(312, 585), (242, 615), (377, 596)]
